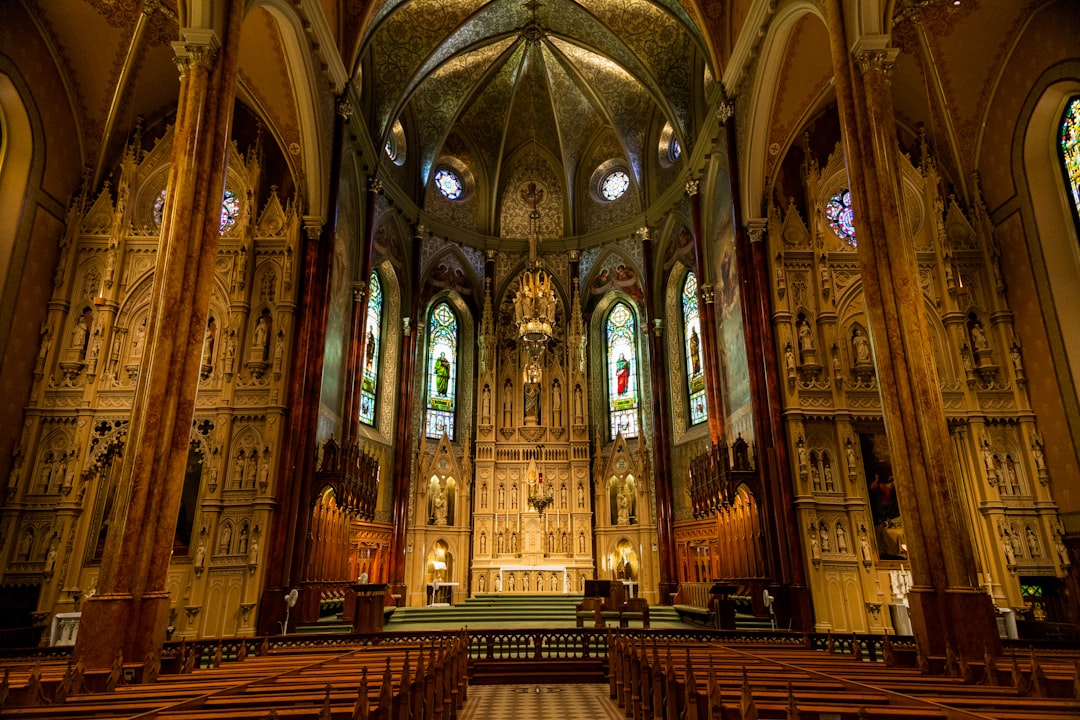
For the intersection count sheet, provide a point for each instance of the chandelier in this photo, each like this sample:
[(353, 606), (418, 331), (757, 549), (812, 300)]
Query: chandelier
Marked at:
[(534, 305)]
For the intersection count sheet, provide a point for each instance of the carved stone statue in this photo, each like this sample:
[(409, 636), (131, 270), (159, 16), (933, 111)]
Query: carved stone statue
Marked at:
[(79, 335), (623, 506), (860, 346), (978, 337), (439, 507), (841, 538), (1034, 547), (806, 336)]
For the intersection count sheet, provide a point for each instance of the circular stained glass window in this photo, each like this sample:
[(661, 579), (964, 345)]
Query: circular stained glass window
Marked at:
[(841, 218), (230, 208), (614, 185), (674, 150), (390, 148), (449, 184)]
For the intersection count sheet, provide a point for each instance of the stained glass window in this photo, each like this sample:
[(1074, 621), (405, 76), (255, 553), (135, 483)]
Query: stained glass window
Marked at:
[(695, 370), (674, 150), (1070, 152), (230, 209), (442, 371), (369, 379), (614, 185), (841, 217), (622, 372), (449, 183)]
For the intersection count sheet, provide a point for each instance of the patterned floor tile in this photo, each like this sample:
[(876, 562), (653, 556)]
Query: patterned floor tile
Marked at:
[(540, 702)]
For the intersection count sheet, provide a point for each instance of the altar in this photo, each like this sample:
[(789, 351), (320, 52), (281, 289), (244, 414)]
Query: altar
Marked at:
[(532, 578)]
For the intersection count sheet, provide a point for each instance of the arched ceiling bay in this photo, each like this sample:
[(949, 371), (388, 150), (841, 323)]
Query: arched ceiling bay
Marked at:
[(560, 76)]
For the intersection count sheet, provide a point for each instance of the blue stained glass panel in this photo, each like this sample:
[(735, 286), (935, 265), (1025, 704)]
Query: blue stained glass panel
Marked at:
[(695, 366), (369, 379)]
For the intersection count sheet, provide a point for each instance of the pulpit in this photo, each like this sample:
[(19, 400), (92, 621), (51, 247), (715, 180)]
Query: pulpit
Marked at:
[(369, 600)]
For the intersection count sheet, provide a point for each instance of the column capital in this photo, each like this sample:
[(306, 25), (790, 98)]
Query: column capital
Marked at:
[(573, 255), (692, 186), (313, 227), (489, 254), (707, 293), (755, 228), (375, 185), (199, 48), (342, 106), (872, 57), (725, 110), (644, 232), (422, 232), (658, 326)]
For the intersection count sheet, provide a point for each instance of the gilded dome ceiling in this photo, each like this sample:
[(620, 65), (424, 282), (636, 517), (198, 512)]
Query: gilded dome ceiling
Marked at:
[(561, 92)]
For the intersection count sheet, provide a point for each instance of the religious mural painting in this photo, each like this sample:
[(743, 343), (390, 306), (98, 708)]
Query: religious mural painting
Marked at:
[(884, 503)]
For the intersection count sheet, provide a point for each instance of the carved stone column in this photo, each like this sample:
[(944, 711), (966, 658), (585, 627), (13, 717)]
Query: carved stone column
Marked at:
[(948, 608), (708, 322), (129, 613)]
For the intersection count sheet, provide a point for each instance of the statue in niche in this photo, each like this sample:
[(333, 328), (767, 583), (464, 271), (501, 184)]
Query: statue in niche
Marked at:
[(439, 507), (1006, 544), (1037, 452), (79, 335), (225, 541), (498, 583), (623, 505), (525, 582), (513, 542), (815, 547), (978, 337), (556, 404), (815, 475), (50, 556), (239, 471), (200, 556), (551, 542), (138, 337), (581, 542), (485, 404), (806, 336), (841, 538), (532, 403), (562, 496), (242, 547), (565, 542), (500, 544), (481, 584), (260, 338), (1034, 548), (580, 496), (502, 498), (860, 346), (510, 583), (508, 410), (829, 477), (513, 499), (483, 543), (579, 408), (483, 496), (823, 534), (864, 545), (789, 361), (279, 349), (208, 342)]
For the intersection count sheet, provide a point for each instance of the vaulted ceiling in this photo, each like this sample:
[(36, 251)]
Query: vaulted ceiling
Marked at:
[(580, 84)]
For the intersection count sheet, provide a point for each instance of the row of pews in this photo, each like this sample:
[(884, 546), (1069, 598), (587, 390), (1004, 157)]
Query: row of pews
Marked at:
[(654, 679), (414, 680)]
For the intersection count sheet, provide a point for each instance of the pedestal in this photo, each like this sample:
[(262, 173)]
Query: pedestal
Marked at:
[(368, 605)]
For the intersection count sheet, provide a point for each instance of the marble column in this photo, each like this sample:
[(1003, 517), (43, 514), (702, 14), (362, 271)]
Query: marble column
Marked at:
[(948, 607), (708, 322), (665, 537), (131, 588), (777, 507), (403, 449), (288, 539)]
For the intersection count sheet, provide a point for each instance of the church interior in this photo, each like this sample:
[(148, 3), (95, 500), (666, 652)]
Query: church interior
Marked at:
[(509, 297)]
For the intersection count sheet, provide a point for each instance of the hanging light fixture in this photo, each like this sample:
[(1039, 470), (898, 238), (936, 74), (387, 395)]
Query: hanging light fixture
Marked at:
[(534, 305)]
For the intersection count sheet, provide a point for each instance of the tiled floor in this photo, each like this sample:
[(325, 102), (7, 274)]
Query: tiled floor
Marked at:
[(540, 702)]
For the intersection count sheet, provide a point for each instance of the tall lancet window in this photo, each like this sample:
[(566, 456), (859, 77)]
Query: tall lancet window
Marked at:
[(1070, 153), (695, 367), (622, 371), (369, 380), (441, 371)]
